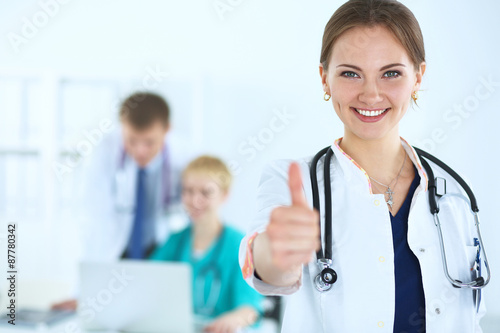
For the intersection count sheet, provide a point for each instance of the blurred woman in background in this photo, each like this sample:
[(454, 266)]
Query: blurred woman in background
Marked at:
[(211, 247)]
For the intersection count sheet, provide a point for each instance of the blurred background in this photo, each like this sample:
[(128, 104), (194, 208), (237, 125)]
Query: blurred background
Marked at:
[(227, 69)]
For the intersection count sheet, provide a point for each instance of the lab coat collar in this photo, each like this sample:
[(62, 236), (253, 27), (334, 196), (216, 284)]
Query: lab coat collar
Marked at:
[(156, 162), (352, 169), (152, 166)]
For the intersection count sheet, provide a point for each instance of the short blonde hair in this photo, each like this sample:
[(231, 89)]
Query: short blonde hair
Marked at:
[(213, 167)]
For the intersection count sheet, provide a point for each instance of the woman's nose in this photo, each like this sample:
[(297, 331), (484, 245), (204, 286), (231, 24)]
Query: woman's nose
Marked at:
[(370, 94), (197, 199)]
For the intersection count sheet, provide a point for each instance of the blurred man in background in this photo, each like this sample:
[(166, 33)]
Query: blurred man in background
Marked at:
[(131, 192)]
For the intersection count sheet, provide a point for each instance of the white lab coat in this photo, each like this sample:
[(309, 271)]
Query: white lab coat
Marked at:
[(363, 298), (107, 197)]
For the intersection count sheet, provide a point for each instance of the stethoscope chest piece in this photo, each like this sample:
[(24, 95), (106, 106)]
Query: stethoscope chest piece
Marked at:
[(327, 277)]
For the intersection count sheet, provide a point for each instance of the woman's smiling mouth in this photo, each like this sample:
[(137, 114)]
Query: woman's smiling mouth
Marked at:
[(370, 115)]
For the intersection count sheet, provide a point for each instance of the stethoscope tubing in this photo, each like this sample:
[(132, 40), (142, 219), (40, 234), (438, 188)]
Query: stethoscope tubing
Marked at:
[(324, 256), (207, 306)]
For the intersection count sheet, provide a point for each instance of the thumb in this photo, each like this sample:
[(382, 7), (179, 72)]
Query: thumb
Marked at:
[(295, 185)]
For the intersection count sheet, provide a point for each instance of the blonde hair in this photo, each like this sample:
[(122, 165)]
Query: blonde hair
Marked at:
[(213, 167)]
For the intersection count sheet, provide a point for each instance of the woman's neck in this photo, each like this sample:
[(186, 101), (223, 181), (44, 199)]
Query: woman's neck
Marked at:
[(381, 158), (205, 232)]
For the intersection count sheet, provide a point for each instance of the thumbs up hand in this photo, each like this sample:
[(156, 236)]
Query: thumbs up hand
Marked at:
[(293, 231)]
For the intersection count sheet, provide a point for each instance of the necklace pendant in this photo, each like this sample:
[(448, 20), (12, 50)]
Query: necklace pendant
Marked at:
[(390, 201)]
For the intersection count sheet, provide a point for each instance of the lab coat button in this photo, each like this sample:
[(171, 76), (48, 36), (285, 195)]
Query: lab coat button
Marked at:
[(381, 259), (438, 311), (377, 202), (422, 250), (380, 324)]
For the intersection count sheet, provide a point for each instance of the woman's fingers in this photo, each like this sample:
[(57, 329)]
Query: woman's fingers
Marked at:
[(293, 230), (297, 245), (295, 186)]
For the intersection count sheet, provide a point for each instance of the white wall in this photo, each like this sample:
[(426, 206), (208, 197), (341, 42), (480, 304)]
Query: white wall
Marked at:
[(239, 68)]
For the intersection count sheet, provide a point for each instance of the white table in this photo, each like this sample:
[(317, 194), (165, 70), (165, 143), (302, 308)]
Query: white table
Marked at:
[(71, 325)]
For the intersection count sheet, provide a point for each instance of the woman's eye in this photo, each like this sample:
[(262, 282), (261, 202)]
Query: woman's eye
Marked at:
[(349, 74), (392, 74), (206, 193)]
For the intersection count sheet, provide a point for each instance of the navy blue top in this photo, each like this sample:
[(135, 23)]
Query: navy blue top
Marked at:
[(410, 302)]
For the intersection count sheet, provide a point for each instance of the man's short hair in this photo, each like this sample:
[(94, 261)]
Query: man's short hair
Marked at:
[(143, 109)]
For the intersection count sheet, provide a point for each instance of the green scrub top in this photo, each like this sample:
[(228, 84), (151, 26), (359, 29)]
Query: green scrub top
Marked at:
[(220, 258)]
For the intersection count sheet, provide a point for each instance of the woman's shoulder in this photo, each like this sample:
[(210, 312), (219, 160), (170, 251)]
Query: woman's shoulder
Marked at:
[(179, 234), (229, 243), (168, 250), (232, 233), (274, 175), (280, 166)]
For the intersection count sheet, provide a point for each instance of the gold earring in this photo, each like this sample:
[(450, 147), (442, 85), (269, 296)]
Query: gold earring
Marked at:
[(414, 96), (326, 98)]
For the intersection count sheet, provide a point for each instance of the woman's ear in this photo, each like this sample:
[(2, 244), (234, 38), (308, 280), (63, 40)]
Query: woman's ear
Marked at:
[(419, 75), (166, 129), (323, 74), (226, 194)]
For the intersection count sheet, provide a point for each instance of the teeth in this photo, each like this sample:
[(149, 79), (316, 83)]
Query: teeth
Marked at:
[(370, 113)]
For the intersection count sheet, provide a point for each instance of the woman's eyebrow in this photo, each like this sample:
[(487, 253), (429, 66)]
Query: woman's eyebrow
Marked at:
[(382, 68), (392, 65), (351, 66)]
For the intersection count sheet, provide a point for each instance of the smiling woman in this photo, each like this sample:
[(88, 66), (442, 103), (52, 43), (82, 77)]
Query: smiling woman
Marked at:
[(386, 269), (220, 295), (371, 81)]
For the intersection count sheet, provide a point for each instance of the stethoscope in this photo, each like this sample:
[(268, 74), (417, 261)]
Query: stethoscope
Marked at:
[(206, 305), (165, 174), (327, 276)]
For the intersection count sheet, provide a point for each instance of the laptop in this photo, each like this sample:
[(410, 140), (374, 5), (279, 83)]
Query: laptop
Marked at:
[(136, 296)]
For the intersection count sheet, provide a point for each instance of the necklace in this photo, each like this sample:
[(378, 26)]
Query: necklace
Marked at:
[(389, 191)]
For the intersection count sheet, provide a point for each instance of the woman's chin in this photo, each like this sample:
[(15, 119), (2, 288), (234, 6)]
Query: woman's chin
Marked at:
[(197, 218), (369, 133)]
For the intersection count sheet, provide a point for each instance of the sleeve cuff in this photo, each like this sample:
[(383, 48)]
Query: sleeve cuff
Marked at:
[(248, 270)]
